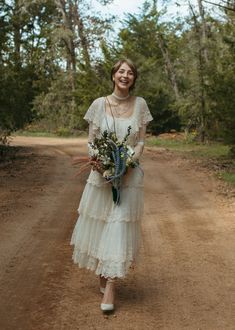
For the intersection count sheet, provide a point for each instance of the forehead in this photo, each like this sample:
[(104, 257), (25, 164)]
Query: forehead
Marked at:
[(125, 66)]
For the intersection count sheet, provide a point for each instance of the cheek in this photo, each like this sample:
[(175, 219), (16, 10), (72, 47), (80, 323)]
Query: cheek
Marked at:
[(116, 76), (132, 79)]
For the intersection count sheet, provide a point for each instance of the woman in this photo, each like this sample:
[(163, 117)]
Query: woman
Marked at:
[(106, 237)]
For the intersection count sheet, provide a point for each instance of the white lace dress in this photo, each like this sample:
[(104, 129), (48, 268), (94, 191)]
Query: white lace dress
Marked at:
[(106, 236)]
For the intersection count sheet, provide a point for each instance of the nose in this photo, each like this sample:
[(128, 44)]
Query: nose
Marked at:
[(125, 74)]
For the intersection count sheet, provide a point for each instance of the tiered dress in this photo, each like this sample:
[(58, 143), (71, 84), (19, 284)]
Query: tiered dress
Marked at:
[(106, 236)]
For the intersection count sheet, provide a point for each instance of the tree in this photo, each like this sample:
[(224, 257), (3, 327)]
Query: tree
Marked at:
[(148, 42), (21, 53), (76, 36)]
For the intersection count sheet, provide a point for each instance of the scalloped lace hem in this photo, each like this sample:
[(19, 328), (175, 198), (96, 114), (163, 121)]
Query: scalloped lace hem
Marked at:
[(106, 268)]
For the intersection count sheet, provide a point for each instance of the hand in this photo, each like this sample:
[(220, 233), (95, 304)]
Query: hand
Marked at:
[(96, 166)]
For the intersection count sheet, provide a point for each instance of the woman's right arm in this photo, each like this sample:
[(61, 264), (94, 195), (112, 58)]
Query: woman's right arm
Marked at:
[(91, 136)]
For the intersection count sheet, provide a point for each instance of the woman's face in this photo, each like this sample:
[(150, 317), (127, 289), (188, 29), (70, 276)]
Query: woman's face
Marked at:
[(123, 78)]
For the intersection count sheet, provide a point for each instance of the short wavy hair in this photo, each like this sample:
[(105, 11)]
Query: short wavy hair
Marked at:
[(117, 65)]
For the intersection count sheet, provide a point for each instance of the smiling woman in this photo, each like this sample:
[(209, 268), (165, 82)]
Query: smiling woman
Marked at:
[(106, 237)]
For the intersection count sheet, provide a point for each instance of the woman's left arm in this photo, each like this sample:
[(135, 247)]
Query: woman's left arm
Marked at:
[(139, 148)]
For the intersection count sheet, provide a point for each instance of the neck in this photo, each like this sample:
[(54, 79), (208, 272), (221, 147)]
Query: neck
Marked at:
[(121, 94)]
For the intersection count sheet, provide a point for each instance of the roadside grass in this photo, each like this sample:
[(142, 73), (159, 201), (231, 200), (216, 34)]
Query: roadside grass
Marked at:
[(214, 154), (194, 149), (229, 177)]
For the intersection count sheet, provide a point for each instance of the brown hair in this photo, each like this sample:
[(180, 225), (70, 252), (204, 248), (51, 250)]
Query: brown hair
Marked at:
[(116, 67)]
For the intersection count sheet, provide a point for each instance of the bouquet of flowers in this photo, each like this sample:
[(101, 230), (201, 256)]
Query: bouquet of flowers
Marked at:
[(111, 158)]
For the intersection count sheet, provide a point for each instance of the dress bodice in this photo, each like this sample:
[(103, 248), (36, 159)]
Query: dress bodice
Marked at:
[(120, 126), (102, 121)]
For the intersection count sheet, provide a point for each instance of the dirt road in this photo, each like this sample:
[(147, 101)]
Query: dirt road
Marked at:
[(186, 275)]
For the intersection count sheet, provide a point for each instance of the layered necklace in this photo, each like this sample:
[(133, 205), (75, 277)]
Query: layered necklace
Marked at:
[(120, 107)]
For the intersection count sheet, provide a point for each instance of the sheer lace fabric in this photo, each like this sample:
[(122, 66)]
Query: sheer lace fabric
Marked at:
[(106, 237)]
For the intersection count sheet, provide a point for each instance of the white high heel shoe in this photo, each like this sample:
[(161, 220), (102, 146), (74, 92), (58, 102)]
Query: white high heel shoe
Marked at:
[(107, 307)]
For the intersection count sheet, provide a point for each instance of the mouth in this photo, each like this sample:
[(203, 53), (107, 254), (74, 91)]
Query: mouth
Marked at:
[(125, 82)]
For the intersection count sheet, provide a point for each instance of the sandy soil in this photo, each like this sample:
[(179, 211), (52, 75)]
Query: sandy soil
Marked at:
[(186, 275)]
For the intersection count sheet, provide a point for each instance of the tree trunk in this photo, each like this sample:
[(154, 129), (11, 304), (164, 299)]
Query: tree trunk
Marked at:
[(229, 5), (68, 40), (82, 35), (66, 10), (201, 74), (74, 24), (16, 34), (168, 64), (203, 31)]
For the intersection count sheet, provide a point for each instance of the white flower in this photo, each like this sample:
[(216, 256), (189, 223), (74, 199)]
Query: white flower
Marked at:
[(105, 160), (95, 152), (107, 174), (130, 151), (128, 161)]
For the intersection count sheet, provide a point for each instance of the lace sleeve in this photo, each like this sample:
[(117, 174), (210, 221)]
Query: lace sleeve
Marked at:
[(145, 115), (93, 114)]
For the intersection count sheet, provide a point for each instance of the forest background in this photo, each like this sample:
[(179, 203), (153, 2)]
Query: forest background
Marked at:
[(56, 56)]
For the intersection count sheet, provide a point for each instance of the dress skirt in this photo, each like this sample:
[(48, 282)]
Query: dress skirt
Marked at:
[(106, 236)]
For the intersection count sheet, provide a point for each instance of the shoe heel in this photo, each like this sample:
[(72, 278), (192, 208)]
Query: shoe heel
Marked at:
[(107, 307)]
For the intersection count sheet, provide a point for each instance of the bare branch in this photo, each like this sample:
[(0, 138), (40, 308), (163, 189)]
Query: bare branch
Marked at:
[(219, 5)]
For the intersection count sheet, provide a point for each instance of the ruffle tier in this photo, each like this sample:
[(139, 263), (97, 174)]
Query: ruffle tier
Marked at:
[(97, 202), (106, 237), (106, 248)]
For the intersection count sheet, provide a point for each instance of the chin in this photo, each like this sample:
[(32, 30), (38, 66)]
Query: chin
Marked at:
[(124, 88)]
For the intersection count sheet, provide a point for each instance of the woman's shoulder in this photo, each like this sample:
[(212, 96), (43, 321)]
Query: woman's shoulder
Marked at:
[(98, 101), (139, 99), (144, 114), (94, 111), (141, 103)]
